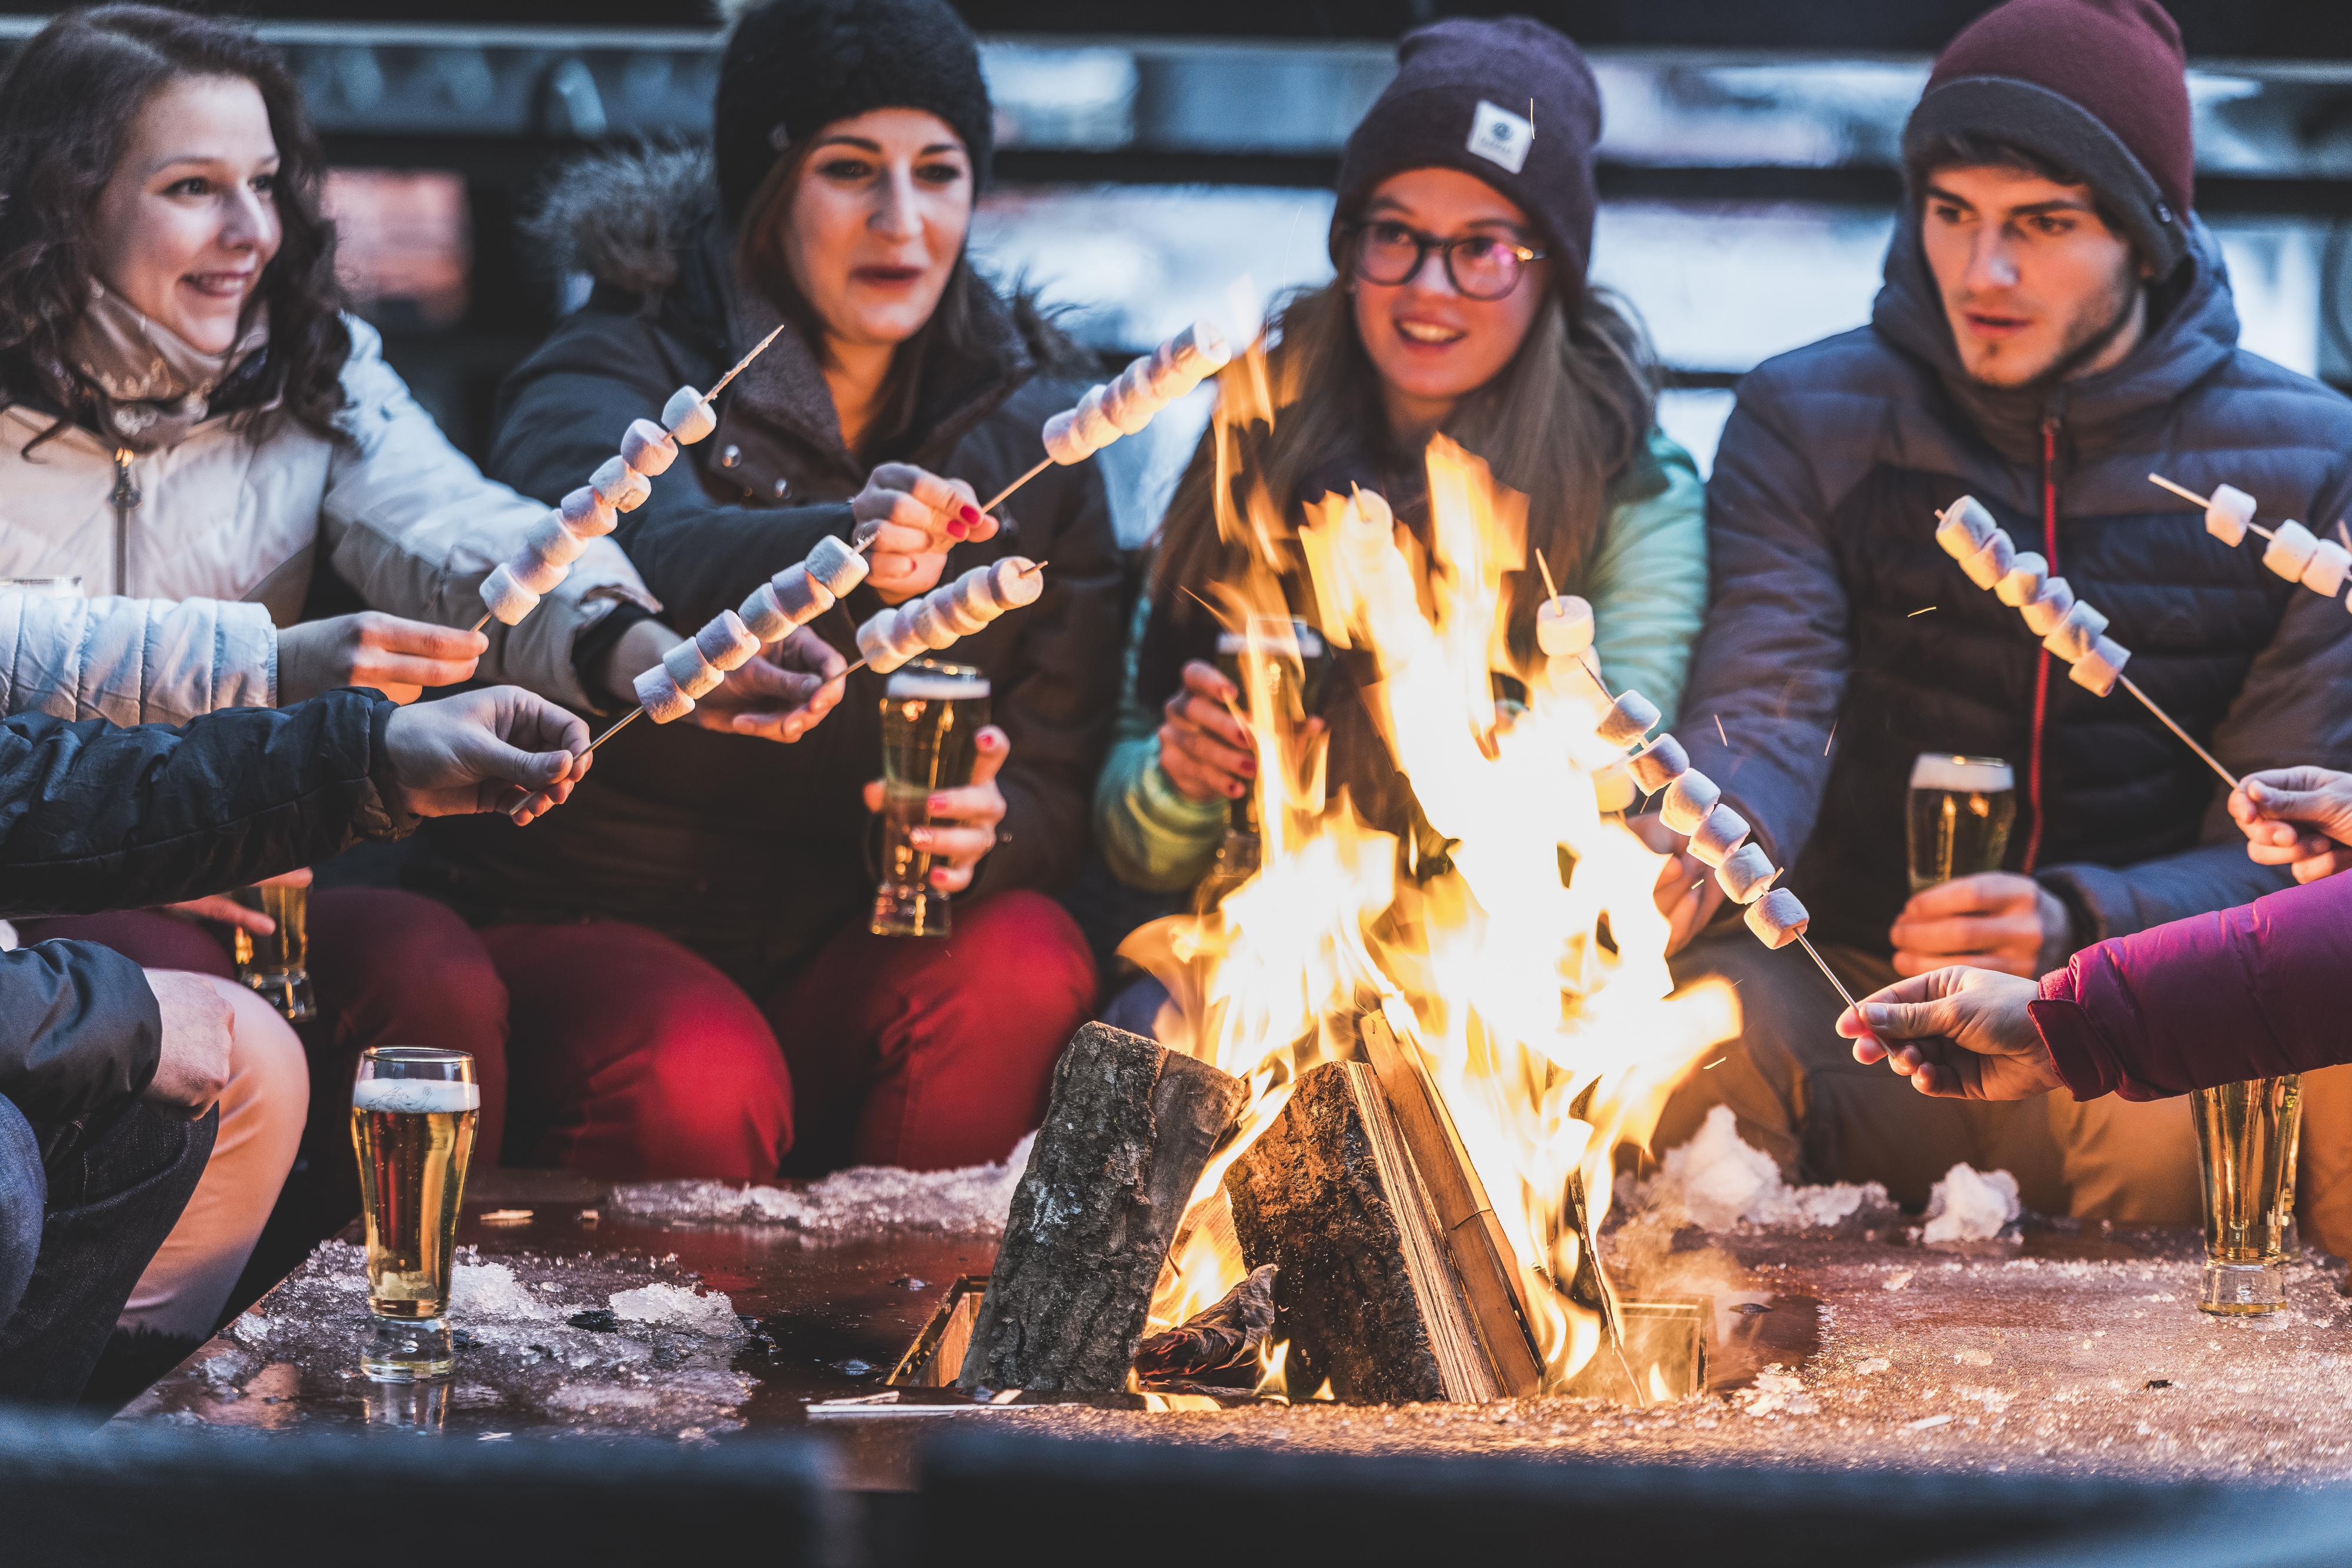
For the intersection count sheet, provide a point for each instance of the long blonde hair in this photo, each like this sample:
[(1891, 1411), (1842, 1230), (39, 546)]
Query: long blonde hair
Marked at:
[(1566, 424)]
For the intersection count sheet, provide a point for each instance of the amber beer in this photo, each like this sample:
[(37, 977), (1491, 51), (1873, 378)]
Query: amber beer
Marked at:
[(932, 713), (2246, 1137), (1961, 809), (1291, 661), (413, 1115), (278, 965)]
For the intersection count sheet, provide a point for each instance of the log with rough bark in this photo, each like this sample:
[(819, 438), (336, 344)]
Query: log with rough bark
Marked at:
[(1127, 1130), (1367, 1293)]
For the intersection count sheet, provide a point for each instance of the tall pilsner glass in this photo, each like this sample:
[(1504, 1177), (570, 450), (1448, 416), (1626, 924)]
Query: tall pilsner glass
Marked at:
[(413, 1115), (278, 965), (1960, 814), (2246, 1136), (932, 713), (1291, 659)]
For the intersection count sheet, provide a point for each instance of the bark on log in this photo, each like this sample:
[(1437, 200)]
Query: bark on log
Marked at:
[(1367, 1292), (1129, 1128)]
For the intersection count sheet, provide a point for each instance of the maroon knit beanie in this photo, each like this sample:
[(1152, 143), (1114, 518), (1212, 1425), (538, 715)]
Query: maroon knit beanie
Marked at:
[(1509, 101), (2100, 87)]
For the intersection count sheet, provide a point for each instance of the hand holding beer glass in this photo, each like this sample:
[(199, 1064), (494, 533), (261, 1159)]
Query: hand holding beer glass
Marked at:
[(276, 962), (937, 797), (1960, 811), (413, 1115), (1963, 909), (1278, 664)]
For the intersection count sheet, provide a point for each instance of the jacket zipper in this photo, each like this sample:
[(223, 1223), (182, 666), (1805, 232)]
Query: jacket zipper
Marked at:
[(125, 495), (2050, 422)]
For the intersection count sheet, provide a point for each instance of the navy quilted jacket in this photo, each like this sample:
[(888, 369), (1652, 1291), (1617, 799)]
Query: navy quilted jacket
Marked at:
[(1840, 641)]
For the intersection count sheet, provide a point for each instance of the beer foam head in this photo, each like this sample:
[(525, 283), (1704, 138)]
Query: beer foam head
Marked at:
[(415, 1096), (1969, 775), (935, 686)]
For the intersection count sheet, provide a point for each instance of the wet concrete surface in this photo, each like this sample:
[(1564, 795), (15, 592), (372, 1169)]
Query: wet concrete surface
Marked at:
[(2072, 1349)]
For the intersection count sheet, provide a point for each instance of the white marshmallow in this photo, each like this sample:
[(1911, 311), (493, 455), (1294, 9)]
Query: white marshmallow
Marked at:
[(2046, 609), (2330, 563), (1200, 350), (1564, 626), (658, 693), (930, 622), (1064, 444), (1612, 790), (836, 565), (726, 641), (534, 573), (2101, 664), (1013, 582), (973, 599), (1778, 918), (1718, 833), (506, 600), (2073, 635), (1129, 403), (2026, 575), (618, 486), (1629, 718), (1658, 763), (1745, 874), (877, 642), (802, 597), (1165, 377), (647, 448), (695, 675), (2227, 511), (960, 617), (1965, 528), (1094, 423), (586, 513), (551, 541), (764, 615), (687, 417), (1991, 561), (1689, 800), (2292, 547)]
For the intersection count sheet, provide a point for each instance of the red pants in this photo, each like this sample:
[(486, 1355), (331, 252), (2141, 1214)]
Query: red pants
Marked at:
[(633, 1058)]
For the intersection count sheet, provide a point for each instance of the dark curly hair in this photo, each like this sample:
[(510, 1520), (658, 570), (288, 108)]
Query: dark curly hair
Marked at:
[(67, 105)]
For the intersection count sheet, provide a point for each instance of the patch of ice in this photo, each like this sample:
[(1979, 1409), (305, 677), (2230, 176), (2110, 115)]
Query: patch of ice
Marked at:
[(971, 1200), (1717, 1181), (673, 1306), (489, 1293), (1969, 1204)]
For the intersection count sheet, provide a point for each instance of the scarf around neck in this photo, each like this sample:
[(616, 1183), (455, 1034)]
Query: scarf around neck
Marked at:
[(151, 386)]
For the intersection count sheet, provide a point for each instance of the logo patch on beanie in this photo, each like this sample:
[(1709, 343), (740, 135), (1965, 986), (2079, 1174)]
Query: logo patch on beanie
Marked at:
[(1501, 137)]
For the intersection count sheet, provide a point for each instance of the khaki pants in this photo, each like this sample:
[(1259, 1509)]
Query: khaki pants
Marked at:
[(1802, 1098)]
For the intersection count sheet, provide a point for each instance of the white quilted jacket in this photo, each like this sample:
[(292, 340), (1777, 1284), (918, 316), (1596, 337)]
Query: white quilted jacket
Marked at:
[(192, 556)]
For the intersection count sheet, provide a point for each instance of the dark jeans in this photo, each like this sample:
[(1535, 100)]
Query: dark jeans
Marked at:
[(78, 1221)]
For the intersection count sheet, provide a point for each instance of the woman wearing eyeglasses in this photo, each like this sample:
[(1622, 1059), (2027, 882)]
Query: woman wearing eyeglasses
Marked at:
[(1461, 308)]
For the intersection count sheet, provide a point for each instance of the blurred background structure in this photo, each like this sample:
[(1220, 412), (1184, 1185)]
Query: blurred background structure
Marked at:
[(1157, 163)]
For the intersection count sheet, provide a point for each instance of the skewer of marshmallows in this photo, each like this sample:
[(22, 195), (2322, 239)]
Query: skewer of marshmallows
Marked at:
[(2294, 552), (1125, 404), (620, 484), (2069, 627), (936, 620)]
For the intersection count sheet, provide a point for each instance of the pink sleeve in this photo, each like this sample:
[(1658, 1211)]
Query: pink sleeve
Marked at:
[(2251, 992)]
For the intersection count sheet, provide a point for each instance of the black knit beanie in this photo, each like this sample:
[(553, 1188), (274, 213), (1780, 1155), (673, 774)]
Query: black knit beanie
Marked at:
[(794, 67), (1510, 101)]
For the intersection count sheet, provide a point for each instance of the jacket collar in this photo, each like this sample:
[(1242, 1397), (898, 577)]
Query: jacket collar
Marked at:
[(2194, 328)]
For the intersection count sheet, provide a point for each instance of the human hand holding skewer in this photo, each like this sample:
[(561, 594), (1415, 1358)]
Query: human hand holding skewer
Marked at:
[(2300, 818), (1957, 1033)]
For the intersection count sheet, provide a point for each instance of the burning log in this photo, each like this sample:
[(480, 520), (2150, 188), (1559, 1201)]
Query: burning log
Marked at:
[(1329, 1195), (1127, 1132), (1226, 1334)]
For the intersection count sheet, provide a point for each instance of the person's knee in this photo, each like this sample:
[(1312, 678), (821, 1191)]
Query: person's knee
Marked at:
[(407, 952), (266, 1101), (24, 1194), (1027, 944)]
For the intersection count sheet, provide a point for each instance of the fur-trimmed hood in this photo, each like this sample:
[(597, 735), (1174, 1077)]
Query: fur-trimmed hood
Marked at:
[(622, 216)]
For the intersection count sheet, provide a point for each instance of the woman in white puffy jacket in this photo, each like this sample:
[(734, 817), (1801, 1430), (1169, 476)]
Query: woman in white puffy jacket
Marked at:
[(193, 429)]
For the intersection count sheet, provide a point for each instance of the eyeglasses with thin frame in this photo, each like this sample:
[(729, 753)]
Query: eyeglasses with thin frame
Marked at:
[(1480, 266)]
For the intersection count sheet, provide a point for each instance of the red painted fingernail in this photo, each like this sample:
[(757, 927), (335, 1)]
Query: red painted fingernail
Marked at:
[(955, 529), (970, 515), (935, 805)]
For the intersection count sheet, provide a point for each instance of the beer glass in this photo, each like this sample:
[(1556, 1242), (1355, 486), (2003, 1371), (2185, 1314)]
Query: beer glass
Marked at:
[(1291, 660), (413, 1113), (2246, 1137), (932, 713), (278, 966), (1960, 811)]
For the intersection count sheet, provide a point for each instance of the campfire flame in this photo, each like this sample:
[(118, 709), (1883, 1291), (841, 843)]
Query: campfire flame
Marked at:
[(1538, 1003)]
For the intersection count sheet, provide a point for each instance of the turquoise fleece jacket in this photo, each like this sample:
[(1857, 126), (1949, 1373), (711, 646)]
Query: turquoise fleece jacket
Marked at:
[(1647, 585)]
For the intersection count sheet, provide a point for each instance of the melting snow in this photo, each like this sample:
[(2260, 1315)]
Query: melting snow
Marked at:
[(974, 1199), (1969, 1204), (1717, 1182)]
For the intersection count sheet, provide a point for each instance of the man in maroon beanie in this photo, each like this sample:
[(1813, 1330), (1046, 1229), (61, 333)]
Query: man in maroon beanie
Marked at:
[(2054, 324)]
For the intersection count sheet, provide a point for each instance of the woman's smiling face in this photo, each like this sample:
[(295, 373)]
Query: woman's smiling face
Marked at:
[(877, 219)]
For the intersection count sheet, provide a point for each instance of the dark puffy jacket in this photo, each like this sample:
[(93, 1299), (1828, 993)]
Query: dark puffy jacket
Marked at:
[(1841, 642), (750, 852), (2254, 992), (92, 817)]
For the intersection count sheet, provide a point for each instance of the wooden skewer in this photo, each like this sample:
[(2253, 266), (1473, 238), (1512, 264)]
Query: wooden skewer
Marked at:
[(1827, 973), (485, 621), (2186, 494), (2165, 719), (999, 498)]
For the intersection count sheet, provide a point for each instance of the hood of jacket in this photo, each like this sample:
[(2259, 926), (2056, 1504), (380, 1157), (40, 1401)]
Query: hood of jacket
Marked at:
[(2192, 329), (647, 225)]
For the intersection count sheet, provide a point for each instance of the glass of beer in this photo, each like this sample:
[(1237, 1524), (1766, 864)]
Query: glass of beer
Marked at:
[(413, 1113), (932, 713), (1290, 663), (278, 965), (1960, 811), (2246, 1137)]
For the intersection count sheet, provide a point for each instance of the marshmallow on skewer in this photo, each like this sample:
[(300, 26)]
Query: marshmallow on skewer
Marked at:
[(1745, 874), (1129, 403), (1718, 833), (696, 675), (2024, 578), (1992, 562), (658, 694), (535, 574), (551, 539), (1689, 800), (647, 448), (1629, 718), (1613, 790), (619, 487), (1564, 626), (2100, 667), (1965, 527), (2048, 606), (2328, 567), (2291, 549), (726, 641), (1658, 763), (836, 565), (792, 598), (887, 642), (505, 598), (2075, 632), (1013, 582), (1778, 918), (587, 514), (2229, 512), (687, 417)]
